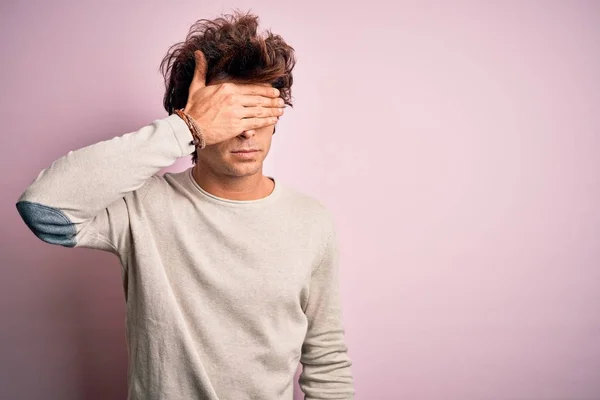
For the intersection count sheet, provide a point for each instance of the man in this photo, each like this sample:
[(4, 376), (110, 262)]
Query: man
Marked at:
[(230, 276)]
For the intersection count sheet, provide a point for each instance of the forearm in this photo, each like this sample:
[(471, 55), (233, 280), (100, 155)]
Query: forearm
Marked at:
[(326, 372), (82, 183)]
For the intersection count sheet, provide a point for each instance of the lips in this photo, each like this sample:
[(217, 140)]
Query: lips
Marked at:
[(244, 151)]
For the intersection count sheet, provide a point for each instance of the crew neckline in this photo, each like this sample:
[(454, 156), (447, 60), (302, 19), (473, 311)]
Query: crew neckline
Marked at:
[(275, 193)]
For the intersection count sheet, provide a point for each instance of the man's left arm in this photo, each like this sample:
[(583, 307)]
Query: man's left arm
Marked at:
[(326, 365)]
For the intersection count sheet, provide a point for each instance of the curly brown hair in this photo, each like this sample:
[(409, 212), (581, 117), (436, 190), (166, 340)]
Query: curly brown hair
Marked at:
[(234, 52)]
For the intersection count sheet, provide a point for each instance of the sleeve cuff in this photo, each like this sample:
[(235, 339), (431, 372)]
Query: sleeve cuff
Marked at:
[(182, 134)]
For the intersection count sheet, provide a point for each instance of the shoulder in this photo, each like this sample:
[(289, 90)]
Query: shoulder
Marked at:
[(158, 192), (165, 184), (309, 208)]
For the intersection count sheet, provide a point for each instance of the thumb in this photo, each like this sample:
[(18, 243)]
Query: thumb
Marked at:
[(199, 79)]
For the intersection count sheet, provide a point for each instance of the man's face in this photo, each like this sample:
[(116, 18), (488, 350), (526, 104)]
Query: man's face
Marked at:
[(227, 158)]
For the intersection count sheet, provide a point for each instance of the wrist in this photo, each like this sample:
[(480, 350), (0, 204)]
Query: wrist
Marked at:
[(196, 131)]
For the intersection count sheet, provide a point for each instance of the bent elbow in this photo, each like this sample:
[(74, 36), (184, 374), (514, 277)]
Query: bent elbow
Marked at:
[(49, 224)]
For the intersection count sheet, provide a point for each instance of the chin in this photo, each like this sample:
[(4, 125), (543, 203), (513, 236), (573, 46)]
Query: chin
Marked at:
[(243, 170)]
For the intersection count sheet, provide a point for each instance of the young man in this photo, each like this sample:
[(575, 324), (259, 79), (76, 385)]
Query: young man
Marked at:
[(230, 276)]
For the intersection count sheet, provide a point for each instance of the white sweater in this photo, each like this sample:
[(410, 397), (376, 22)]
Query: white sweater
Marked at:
[(224, 297)]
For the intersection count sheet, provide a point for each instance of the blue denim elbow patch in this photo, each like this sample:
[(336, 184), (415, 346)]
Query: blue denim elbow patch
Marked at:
[(49, 224)]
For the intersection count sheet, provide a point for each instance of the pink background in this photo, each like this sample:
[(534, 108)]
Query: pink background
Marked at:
[(457, 143)]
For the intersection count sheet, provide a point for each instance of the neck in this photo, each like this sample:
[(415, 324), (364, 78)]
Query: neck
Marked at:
[(251, 187)]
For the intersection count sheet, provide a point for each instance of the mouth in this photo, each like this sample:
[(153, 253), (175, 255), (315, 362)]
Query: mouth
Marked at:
[(245, 154)]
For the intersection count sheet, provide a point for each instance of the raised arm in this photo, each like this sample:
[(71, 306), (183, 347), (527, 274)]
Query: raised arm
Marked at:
[(82, 198)]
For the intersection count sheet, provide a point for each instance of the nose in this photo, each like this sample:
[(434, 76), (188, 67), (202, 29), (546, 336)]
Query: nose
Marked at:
[(248, 134)]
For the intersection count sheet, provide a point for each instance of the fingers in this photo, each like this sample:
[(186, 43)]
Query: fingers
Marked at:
[(199, 78), (257, 123), (251, 112), (258, 90), (249, 100)]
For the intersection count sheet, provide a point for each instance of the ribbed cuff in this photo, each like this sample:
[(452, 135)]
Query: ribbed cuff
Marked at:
[(182, 134)]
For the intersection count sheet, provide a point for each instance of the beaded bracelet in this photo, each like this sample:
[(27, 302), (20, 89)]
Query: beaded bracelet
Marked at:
[(198, 140)]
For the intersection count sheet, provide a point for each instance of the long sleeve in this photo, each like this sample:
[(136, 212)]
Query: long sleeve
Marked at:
[(82, 198), (326, 372)]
